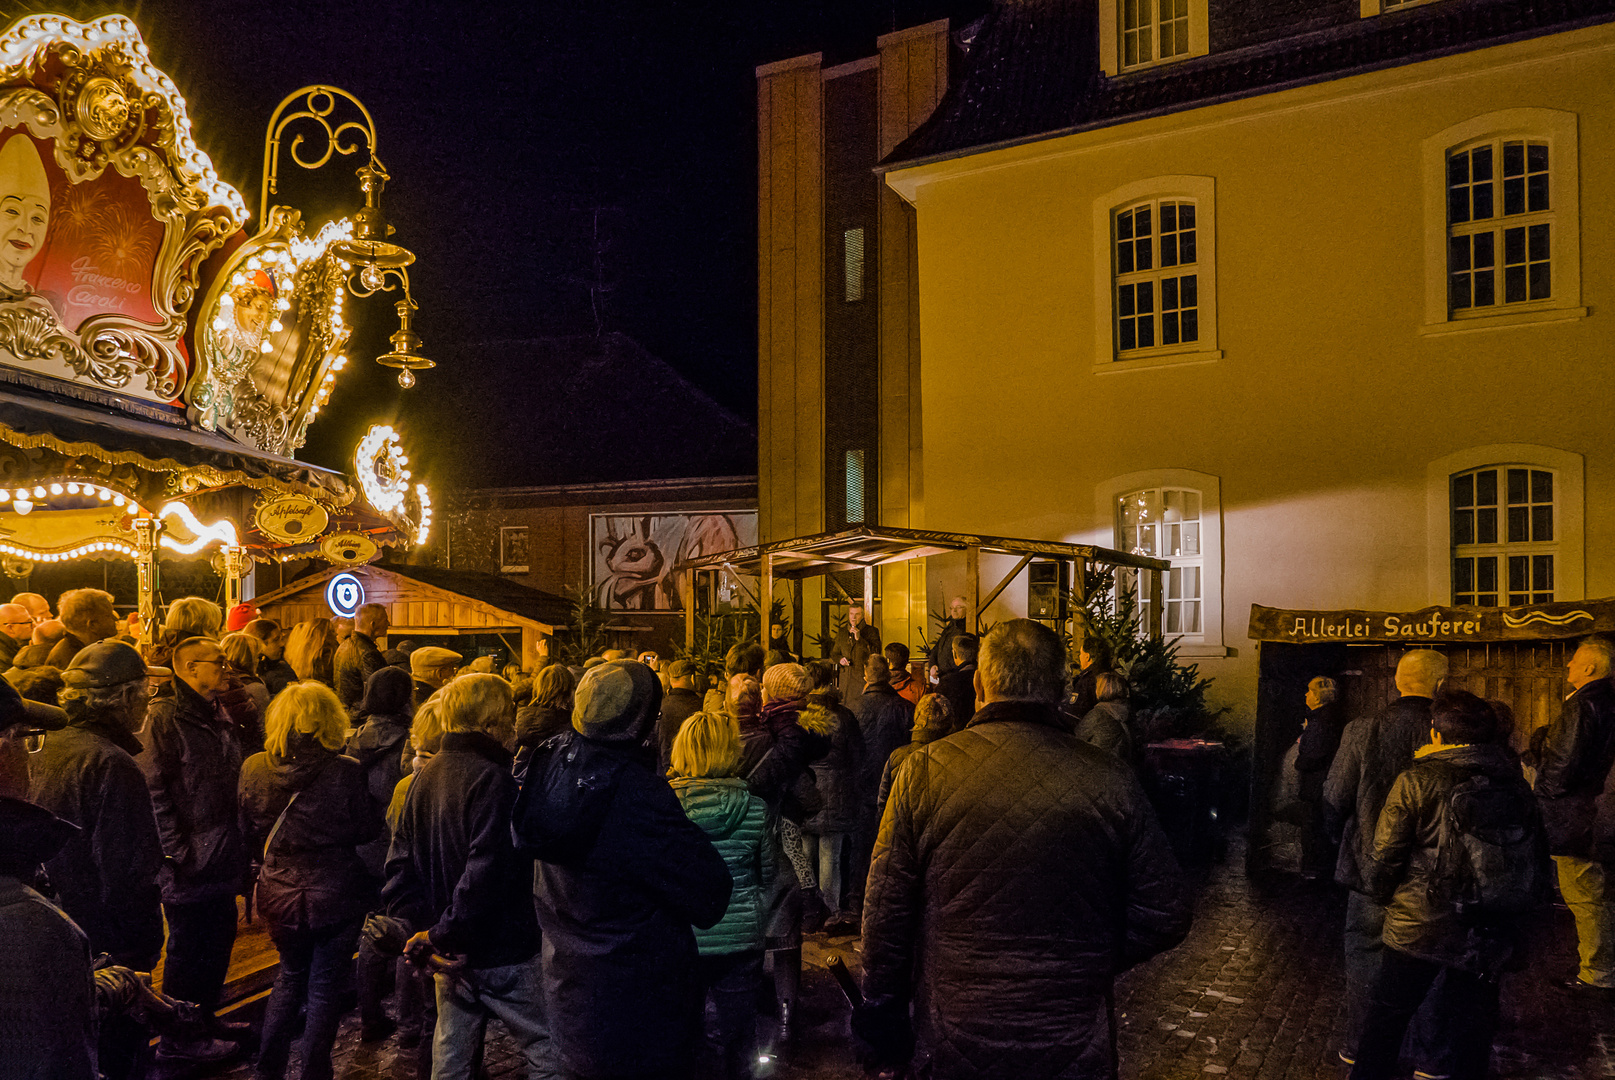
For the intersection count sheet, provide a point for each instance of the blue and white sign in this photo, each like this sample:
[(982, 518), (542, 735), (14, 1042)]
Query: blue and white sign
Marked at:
[(344, 595)]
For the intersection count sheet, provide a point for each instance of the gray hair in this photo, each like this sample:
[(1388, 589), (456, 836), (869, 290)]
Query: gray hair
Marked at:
[(1604, 654), (1325, 688), (1022, 660), (80, 702), (1109, 686)]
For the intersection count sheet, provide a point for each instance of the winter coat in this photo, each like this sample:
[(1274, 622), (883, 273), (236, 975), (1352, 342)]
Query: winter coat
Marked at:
[(856, 651), (1320, 740), (47, 995), (736, 822), (887, 722), (777, 747), (1018, 870), (678, 706), (322, 880), (623, 876), (1085, 690), (1403, 864), (1108, 725), (9, 647), (536, 724), (452, 868), (1576, 756), (894, 761), (908, 687), (105, 877), (277, 674), (942, 651), (838, 777), (356, 660), (378, 747), (191, 758), (959, 687), (1373, 752), (62, 653), (238, 705)]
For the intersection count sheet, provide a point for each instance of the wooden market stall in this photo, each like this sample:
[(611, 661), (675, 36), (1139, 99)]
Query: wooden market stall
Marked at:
[(870, 546), (428, 601), (1513, 655)]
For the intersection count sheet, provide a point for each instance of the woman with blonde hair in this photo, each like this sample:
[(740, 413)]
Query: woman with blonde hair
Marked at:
[(549, 714), (706, 759), (311, 650), (306, 810), (192, 616)]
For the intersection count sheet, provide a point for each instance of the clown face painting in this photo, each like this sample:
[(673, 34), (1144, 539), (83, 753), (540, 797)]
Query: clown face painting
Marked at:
[(24, 212)]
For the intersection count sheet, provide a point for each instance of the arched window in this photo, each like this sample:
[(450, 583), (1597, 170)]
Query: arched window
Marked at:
[(1176, 515)]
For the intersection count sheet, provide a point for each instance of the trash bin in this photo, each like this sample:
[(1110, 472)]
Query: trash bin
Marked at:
[(1184, 779)]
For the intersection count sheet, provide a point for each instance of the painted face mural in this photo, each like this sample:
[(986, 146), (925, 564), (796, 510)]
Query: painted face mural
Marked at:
[(24, 209)]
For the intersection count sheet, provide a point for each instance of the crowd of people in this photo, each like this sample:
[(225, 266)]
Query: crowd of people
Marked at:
[(618, 861)]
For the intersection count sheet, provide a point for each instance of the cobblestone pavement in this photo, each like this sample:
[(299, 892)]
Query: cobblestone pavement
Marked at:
[(1253, 994)]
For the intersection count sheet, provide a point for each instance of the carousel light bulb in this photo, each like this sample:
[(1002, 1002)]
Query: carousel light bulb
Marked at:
[(23, 506), (265, 347), (72, 489), (104, 494), (56, 489), (117, 500), (275, 327), (39, 492), (283, 305), (373, 277), (5, 496), (406, 378)]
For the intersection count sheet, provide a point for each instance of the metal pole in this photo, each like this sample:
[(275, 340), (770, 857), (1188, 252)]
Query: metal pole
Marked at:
[(687, 588), (973, 586), (869, 596), (765, 595)]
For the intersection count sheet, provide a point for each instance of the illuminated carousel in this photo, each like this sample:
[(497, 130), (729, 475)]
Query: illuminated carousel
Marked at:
[(159, 365)]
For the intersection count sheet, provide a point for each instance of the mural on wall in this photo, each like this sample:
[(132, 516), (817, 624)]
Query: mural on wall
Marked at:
[(633, 555)]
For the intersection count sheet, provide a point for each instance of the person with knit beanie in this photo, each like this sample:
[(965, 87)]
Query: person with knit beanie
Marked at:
[(623, 876)]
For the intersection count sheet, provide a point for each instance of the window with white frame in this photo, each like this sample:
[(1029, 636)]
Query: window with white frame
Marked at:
[(1153, 30), (1165, 523), (1504, 535), (1500, 217), (1157, 278)]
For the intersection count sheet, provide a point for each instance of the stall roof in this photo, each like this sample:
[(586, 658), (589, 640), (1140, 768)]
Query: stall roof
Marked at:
[(489, 590), (76, 430), (866, 546)]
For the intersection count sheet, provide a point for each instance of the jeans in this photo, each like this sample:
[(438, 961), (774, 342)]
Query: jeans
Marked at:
[(200, 937), (1365, 922), (1581, 883), (514, 995), (825, 853), (372, 970), (731, 983), (1465, 1017), (313, 967)]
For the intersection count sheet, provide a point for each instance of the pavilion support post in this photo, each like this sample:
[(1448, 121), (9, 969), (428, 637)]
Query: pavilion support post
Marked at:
[(147, 583), (1011, 576), (235, 569), (869, 597), (1155, 603), (1079, 600), (973, 585), (765, 594), (796, 616), (687, 589)]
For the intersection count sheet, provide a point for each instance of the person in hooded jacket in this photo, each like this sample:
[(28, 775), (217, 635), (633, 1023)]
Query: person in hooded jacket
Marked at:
[(1108, 725), (305, 810), (623, 876), (1424, 934), (456, 877), (839, 780), (933, 720), (706, 757), (384, 713), (778, 744)]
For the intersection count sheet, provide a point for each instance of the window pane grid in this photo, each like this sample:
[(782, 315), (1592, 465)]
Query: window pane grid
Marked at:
[(1476, 229), (1153, 30), (1503, 536), (1156, 303), (1164, 523)]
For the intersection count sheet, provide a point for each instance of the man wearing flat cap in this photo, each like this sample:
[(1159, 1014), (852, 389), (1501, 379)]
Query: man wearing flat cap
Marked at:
[(622, 877), (431, 667)]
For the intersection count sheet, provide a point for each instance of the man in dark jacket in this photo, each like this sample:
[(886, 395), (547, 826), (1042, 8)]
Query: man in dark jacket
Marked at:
[(455, 876), (1373, 752), (623, 875), (192, 762), (89, 617), (1410, 869), (855, 644), (959, 685), (358, 658), (681, 703), (1018, 871), (272, 666), (886, 720), (1575, 758), (16, 627), (1320, 739), (942, 660)]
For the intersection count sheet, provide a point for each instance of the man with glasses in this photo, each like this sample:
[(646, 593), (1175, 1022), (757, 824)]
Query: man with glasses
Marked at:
[(16, 628), (192, 763)]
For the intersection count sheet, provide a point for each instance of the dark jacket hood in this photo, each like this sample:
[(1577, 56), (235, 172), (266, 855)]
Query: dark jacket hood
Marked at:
[(387, 693), (379, 737), (306, 757), (1489, 758), (566, 795)]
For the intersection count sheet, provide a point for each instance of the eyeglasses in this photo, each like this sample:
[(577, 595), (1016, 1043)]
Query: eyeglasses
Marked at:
[(33, 739), (215, 663)]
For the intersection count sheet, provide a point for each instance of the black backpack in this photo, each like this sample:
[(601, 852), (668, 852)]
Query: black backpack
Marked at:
[(1491, 860)]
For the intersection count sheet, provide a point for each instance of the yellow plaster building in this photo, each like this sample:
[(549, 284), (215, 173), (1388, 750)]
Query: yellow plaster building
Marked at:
[(1309, 307)]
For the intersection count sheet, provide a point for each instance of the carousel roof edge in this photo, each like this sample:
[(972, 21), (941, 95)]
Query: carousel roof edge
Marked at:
[(212, 460)]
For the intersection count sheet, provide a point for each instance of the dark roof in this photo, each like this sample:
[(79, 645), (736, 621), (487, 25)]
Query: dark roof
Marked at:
[(500, 592), (1032, 67), (592, 409)]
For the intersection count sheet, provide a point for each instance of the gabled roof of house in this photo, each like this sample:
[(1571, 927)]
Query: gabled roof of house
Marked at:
[(1032, 67)]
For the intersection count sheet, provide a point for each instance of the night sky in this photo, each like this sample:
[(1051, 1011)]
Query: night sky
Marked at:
[(523, 139)]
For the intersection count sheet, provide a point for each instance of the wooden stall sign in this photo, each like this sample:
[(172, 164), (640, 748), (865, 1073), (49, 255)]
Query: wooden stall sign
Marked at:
[(1533, 622)]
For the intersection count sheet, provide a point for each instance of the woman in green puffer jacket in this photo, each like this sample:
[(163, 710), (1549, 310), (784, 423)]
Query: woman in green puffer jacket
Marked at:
[(706, 758)]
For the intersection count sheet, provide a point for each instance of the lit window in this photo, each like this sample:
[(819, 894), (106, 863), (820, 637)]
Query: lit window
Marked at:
[(1157, 302), (855, 487), (852, 251), (1165, 523), (1153, 30), (1500, 222), (1504, 536)]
